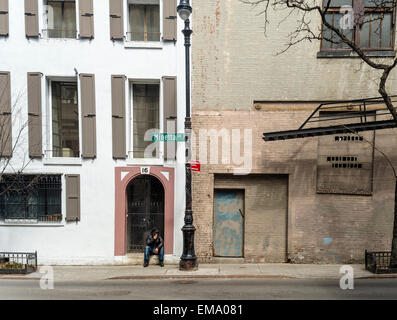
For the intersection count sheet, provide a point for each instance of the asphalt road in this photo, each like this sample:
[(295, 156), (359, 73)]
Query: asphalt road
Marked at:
[(222, 289)]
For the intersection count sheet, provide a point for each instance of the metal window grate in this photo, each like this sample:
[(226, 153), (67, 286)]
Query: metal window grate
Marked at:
[(31, 197)]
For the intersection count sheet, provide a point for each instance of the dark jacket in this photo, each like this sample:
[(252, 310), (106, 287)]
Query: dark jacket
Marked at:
[(158, 243)]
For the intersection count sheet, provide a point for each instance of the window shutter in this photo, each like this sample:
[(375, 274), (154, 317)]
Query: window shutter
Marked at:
[(86, 13), (170, 115), (116, 19), (5, 115), (118, 116), (169, 20), (72, 197), (34, 114), (31, 18), (3, 17), (88, 115)]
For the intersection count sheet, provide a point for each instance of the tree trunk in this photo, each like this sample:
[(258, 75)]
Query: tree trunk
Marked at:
[(393, 261)]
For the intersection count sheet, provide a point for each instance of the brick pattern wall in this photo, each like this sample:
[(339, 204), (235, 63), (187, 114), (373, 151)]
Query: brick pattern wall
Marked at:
[(322, 228), (233, 65), (265, 221)]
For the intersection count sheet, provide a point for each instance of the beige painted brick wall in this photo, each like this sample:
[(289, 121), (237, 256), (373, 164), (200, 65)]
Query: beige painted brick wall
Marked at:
[(234, 63), (353, 223), (265, 214)]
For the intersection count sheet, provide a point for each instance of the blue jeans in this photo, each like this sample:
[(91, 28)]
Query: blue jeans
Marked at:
[(150, 251)]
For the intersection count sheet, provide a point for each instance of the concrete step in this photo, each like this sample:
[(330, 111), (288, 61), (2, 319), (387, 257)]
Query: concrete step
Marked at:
[(133, 259)]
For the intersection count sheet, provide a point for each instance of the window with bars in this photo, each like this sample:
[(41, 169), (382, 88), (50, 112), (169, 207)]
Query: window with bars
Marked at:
[(31, 197), (144, 20), (370, 24), (146, 116), (60, 19)]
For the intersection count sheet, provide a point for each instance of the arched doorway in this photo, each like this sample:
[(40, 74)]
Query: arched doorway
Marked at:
[(145, 210)]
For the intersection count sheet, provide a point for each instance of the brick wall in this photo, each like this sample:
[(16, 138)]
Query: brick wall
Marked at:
[(265, 214), (322, 228)]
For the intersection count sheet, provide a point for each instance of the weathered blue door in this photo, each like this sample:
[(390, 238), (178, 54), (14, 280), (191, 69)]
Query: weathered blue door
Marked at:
[(229, 221)]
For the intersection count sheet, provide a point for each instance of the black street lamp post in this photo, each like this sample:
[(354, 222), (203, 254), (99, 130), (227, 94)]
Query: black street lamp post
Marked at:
[(188, 259)]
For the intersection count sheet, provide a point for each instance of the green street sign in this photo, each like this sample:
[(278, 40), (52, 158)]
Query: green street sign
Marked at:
[(179, 137)]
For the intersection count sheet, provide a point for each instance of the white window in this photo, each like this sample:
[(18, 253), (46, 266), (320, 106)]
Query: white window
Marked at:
[(60, 19), (143, 20)]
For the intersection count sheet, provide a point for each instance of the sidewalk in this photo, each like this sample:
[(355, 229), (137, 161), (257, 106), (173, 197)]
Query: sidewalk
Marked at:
[(209, 271)]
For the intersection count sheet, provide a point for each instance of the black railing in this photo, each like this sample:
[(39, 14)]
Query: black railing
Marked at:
[(341, 117), (18, 262), (378, 262)]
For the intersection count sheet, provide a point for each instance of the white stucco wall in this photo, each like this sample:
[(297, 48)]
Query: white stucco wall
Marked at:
[(90, 241)]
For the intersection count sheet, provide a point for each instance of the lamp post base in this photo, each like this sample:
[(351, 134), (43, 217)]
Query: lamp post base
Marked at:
[(188, 260), (188, 265)]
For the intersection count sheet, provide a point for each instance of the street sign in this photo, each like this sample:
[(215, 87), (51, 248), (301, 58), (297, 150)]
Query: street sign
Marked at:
[(195, 166)]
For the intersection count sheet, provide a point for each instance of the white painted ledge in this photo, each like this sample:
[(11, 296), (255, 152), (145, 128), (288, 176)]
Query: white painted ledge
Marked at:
[(62, 162), (143, 45), (29, 223)]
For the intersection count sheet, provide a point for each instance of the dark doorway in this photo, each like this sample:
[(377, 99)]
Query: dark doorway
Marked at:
[(145, 209)]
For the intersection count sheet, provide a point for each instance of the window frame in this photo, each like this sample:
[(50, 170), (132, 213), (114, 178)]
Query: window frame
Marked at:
[(49, 145), (36, 219), (43, 25), (130, 123), (127, 28), (356, 31)]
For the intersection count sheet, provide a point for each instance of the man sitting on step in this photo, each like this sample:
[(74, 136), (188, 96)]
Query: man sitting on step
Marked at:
[(154, 245)]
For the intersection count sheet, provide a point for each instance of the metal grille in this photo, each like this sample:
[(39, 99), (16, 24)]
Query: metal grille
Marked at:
[(31, 197), (145, 210), (379, 262)]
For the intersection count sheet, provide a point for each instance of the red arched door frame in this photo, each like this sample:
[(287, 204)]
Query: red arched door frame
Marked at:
[(123, 177)]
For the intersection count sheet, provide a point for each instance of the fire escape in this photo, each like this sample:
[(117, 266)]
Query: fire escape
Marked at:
[(341, 117)]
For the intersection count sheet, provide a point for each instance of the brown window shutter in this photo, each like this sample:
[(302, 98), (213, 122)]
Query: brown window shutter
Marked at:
[(169, 20), (5, 115), (170, 115), (86, 13), (4, 18), (88, 115), (31, 18), (34, 114), (72, 197), (118, 116), (116, 19)]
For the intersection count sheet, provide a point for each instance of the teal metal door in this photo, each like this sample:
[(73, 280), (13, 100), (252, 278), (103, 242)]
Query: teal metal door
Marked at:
[(229, 222)]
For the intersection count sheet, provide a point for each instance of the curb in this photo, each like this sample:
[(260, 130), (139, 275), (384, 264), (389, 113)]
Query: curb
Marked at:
[(233, 276)]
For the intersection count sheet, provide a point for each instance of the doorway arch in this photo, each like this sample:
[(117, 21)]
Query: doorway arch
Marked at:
[(123, 177), (145, 210)]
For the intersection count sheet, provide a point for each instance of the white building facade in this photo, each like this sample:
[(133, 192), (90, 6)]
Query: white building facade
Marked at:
[(85, 85)]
